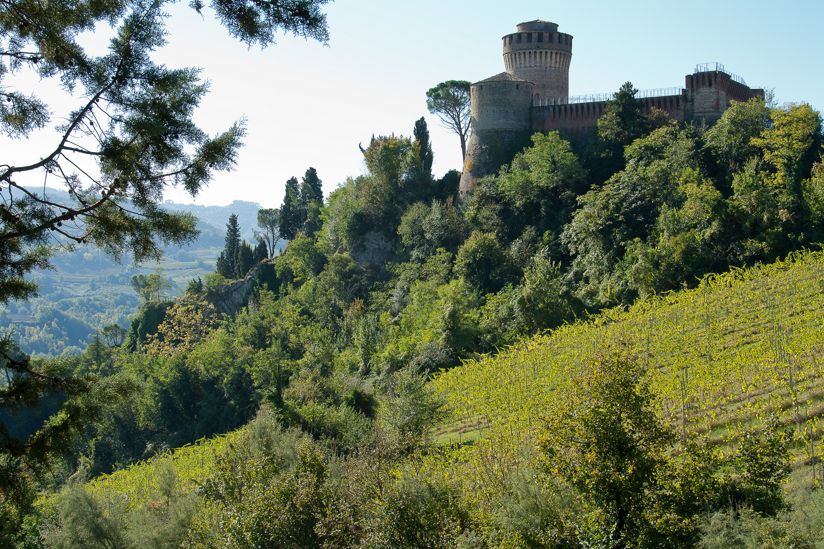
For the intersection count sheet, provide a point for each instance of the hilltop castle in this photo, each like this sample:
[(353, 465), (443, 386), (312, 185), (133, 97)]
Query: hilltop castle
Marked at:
[(532, 95)]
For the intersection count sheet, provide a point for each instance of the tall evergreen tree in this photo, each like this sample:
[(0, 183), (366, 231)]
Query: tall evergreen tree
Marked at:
[(291, 217), (310, 188), (622, 123), (244, 259), (261, 251), (623, 120), (423, 146), (422, 171), (227, 262)]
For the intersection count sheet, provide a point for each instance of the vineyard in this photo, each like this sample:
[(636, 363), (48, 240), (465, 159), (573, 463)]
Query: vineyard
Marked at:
[(720, 358), (191, 464)]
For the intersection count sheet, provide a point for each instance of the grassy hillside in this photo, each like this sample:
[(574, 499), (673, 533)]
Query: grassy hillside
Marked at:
[(720, 357)]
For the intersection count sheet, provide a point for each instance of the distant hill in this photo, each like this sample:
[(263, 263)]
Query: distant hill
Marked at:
[(87, 289)]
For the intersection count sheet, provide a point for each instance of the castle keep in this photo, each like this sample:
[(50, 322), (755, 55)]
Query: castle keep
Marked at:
[(532, 95)]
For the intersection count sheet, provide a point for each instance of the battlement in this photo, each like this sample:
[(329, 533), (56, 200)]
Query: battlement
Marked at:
[(529, 40)]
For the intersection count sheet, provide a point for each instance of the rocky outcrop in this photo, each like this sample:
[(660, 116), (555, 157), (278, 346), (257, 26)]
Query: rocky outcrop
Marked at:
[(372, 251), (230, 298)]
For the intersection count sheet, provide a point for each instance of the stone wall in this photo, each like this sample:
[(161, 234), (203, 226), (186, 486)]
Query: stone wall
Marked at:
[(501, 125)]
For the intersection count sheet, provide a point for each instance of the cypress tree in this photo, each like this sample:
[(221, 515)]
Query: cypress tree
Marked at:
[(261, 251), (244, 260), (424, 187), (227, 262), (310, 188), (291, 217)]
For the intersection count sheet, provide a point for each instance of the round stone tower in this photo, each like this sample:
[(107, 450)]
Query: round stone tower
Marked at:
[(501, 120), (536, 58), (537, 52)]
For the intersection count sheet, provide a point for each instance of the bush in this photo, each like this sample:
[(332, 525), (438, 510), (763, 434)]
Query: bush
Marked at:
[(417, 513)]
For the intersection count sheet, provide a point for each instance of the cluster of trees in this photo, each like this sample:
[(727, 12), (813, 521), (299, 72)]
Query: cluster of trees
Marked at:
[(238, 257), (391, 279), (300, 211)]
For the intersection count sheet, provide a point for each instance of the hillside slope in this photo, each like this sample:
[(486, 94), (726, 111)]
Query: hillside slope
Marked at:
[(720, 357)]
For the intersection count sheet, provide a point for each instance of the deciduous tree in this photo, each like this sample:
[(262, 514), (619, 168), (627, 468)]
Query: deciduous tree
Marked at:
[(268, 220)]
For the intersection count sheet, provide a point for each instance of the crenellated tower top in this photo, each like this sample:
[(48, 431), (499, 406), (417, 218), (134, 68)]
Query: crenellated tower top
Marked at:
[(537, 52)]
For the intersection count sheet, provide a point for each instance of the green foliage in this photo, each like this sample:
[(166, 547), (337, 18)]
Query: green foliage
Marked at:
[(417, 513), (91, 521), (145, 323), (763, 460), (151, 288), (291, 214), (267, 491), (791, 144), (422, 148), (813, 196), (534, 511), (227, 262), (730, 140), (622, 123), (268, 220), (626, 208), (543, 300), (542, 183), (623, 120), (299, 262), (410, 410), (310, 187), (185, 323), (424, 229), (484, 263), (608, 443)]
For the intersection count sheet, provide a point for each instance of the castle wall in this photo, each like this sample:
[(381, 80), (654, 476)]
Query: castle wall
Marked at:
[(576, 121)]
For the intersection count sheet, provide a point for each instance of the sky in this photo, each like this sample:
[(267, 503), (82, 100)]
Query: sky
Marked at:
[(308, 104)]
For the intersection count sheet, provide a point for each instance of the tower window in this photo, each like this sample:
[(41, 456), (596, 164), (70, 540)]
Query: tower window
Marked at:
[(519, 38), (540, 37), (529, 37)]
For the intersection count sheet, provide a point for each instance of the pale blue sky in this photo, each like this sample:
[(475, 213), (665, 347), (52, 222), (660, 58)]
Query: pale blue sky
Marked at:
[(309, 105)]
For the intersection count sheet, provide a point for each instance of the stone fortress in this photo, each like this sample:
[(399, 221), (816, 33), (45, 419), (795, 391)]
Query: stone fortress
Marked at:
[(532, 95)]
